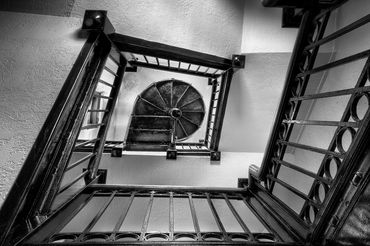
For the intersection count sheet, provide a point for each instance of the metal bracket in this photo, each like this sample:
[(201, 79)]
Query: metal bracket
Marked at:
[(290, 19), (102, 173), (215, 155), (242, 182), (97, 20), (171, 154), (131, 69), (116, 151), (238, 61), (357, 178)]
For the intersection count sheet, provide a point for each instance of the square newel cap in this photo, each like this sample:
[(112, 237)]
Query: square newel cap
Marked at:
[(97, 20)]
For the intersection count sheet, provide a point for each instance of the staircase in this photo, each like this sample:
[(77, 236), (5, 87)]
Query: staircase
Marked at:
[(304, 193)]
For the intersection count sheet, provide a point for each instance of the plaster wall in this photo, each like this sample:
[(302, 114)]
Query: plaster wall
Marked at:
[(212, 26), (262, 32), (37, 53), (254, 97), (154, 169)]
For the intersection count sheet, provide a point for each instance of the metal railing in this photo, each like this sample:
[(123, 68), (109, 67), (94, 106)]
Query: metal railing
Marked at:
[(110, 214), (323, 117)]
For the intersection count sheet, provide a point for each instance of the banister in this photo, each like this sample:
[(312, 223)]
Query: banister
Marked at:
[(52, 149), (301, 41)]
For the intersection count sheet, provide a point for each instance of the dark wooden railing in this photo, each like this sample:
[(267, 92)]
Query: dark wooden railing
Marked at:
[(293, 197), (104, 214), (321, 128), (39, 182)]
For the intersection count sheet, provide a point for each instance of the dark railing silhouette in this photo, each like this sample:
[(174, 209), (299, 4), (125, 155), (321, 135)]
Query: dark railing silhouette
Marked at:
[(303, 174), (294, 196)]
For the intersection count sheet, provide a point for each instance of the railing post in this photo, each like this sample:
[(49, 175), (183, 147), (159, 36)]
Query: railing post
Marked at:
[(220, 113), (103, 130)]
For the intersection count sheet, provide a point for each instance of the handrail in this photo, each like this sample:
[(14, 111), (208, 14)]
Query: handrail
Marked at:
[(305, 30), (41, 161), (317, 205), (39, 181)]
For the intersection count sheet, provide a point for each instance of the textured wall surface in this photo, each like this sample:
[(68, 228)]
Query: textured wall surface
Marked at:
[(42, 7), (210, 26), (262, 32), (37, 53)]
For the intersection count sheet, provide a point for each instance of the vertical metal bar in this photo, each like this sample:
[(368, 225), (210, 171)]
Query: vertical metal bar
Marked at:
[(217, 218), (300, 43), (66, 129), (62, 216), (221, 108), (122, 216), (144, 227), (97, 217), (146, 59), (172, 218), (103, 131), (238, 218), (211, 105), (194, 216), (267, 226)]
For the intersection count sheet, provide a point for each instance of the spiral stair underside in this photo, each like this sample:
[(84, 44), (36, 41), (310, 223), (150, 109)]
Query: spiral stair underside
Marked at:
[(165, 107)]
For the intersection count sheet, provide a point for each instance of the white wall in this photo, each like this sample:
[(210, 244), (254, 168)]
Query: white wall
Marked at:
[(254, 97), (212, 26), (262, 32), (36, 55)]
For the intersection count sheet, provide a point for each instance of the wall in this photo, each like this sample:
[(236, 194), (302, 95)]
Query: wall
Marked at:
[(255, 91), (37, 53), (254, 97), (262, 32), (214, 26)]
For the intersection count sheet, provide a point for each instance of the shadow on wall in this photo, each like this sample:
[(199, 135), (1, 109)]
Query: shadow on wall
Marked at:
[(41, 7)]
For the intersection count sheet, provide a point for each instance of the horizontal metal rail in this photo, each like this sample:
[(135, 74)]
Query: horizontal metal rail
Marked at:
[(91, 126), (354, 25), (322, 123), (104, 97), (106, 83), (331, 94), (294, 190), (110, 71), (337, 63), (97, 110), (81, 144), (65, 187), (73, 165), (302, 170), (311, 148)]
